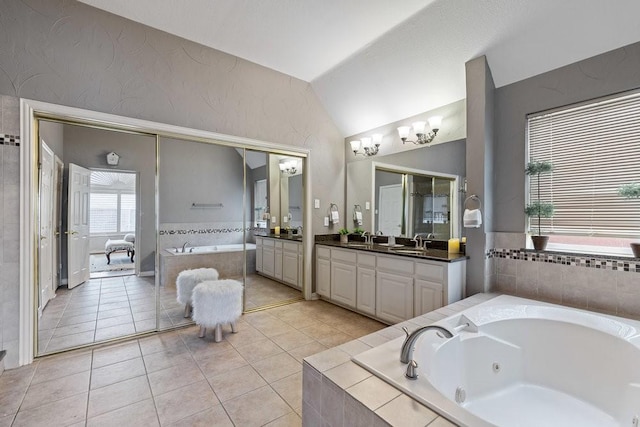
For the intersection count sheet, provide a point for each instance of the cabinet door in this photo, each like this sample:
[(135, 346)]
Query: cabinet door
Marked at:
[(277, 263), (290, 268), (268, 261), (259, 255), (343, 283), (366, 290), (394, 297), (427, 296), (323, 277)]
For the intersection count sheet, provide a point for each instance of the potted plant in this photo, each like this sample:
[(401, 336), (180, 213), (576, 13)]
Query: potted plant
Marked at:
[(631, 191), (538, 208), (344, 235)]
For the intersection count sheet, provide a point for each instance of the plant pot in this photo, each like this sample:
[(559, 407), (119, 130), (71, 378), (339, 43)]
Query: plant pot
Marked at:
[(540, 242), (635, 248), (344, 238)]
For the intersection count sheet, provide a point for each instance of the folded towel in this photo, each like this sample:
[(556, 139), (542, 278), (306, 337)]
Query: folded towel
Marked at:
[(335, 218), (472, 218), (358, 217)]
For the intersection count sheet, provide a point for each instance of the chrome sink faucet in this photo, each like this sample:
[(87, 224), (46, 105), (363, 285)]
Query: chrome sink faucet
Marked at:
[(366, 236), (418, 239), (406, 354)]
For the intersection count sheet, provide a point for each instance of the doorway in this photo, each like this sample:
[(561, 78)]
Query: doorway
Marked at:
[(112, 232)]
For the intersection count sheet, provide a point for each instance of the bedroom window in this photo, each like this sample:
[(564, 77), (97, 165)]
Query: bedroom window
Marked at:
[(112, 203), (595, 149)]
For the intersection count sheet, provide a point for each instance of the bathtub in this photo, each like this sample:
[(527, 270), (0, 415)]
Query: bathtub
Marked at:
[(517, 362), (228, 259), (211, 249)]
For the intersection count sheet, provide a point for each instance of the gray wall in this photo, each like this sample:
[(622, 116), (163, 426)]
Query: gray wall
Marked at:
[(68, 53), (87, 147), (195, 172), (53, 135), (601, 75)]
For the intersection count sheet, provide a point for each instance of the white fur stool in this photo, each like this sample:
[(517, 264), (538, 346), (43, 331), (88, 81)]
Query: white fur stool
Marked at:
[(187, 281), (216, 302)]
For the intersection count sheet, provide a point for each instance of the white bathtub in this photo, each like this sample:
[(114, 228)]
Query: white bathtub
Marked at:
[(211, 249), (528, 364), (229, 260)]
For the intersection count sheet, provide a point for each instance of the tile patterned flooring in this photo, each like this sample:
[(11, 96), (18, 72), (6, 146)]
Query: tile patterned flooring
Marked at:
[(252, 378), (112, 307)]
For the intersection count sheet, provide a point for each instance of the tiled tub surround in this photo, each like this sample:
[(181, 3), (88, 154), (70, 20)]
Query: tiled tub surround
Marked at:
[(338, 393), (172, 235), (609, 285)]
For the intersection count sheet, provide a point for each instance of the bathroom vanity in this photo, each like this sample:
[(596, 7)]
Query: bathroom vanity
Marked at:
[(280, 258), (389, 285)]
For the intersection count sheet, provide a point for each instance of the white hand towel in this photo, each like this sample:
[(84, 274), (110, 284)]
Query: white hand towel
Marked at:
[(472, 218), (335, 218), (358, 217)]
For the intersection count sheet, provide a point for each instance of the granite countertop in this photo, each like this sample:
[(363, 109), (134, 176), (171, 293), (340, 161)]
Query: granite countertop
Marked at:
[(282, 236), (430, 254)]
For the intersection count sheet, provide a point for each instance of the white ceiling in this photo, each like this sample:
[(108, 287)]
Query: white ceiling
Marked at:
[(372, 62)]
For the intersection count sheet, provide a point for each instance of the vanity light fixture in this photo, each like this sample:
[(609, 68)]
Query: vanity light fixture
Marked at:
[(369, 145), (288, 166), (418, 129)]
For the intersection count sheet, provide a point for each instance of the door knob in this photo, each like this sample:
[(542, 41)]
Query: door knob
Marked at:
[(70, 232), (43, 237)]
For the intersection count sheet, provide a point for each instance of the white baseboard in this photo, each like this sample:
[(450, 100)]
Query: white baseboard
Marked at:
[(147, 273)]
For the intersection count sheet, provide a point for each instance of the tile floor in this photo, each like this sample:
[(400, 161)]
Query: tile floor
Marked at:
[(112, 307), (252, 378)]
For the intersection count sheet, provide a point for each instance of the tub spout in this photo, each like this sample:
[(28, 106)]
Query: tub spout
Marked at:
[(184, 246), (406, 354)]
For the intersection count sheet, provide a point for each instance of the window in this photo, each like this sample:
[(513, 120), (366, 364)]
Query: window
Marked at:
[(112, 203), (594, 148)]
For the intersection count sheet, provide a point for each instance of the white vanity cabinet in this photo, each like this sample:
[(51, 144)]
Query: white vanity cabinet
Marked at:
[(366, 283), (290, 263), (323, 271), (392, 288), (280, 260), (259, 254), (343, 277)]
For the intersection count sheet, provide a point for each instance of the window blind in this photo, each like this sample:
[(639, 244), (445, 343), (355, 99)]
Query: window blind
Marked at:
[(595, 149), (103, 211)]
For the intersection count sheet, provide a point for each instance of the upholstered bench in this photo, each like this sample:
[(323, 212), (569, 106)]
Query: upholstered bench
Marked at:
[(216, 302), (187, 280), (126, 244)]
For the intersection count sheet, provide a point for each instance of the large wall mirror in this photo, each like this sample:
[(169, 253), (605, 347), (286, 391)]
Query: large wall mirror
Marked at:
[(408, 193), (121, 212)]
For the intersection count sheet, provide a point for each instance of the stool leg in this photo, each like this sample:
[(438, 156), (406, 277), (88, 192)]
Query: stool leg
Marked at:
[(234, 328), (218, 333), (203, 331), (187, 310)]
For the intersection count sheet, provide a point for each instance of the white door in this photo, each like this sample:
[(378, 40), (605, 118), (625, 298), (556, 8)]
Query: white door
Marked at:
[(78, 225), (46, 245), (390, 210)]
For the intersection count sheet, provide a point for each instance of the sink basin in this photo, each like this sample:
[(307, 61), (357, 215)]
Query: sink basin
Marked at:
[(395, 245), (358, 245), (410, 251)]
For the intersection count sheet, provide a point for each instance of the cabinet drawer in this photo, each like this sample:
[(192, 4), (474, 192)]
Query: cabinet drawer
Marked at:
[(396, 264), (433, 272), (366, 260), (291, 247), (268, 242), (323, 252), (346, 256)]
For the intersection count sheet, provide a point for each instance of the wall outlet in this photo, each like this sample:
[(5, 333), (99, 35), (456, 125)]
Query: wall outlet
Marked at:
[(367, 205), (316, 203), (326, 221)]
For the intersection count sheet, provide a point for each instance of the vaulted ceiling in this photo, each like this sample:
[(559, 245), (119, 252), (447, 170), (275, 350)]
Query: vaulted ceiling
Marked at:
[(372, 62)]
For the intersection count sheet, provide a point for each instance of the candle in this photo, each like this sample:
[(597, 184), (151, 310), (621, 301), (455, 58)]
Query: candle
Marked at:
[(277, 231)]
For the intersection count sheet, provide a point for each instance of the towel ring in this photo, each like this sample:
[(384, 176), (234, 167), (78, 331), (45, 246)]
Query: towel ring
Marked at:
[(475, 198)]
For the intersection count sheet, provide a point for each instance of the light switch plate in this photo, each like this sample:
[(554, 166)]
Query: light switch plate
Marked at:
[(285, 219), (273, 220), (326, 221), (316, 203), (367, 205)]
